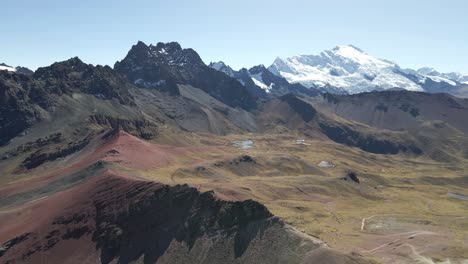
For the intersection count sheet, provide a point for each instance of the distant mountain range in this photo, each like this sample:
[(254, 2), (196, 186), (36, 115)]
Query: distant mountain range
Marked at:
[(349, 70), (341, 70), (215, 98)]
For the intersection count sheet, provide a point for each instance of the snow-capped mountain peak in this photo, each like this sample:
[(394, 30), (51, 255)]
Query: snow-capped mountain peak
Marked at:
[(218, 65), (427, 71), (18, 69), (451, 77), (4, 67), (349, 69), (222, 67), (344, 69), (356, 55), (256, 74)]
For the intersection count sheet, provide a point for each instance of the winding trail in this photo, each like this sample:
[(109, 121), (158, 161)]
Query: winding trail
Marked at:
[(363, 222), (415, 233)]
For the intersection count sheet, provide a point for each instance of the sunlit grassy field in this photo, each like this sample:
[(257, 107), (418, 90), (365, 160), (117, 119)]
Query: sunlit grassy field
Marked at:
[(400, 211)]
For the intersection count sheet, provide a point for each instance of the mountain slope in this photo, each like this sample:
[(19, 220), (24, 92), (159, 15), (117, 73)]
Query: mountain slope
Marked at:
[(294, 113), (26, 99), (399, 110)]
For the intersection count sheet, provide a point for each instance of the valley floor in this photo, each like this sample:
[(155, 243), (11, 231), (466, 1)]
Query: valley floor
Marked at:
[(400, 212)]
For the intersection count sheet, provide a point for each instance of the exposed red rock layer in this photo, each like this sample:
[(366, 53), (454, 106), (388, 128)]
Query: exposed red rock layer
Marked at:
[(88, 213), (115, 217)]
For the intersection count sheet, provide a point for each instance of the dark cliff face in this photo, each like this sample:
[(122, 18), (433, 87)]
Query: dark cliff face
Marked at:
[(305, 110), (16, 111), (128, 219), (371, 143), (166, 64), (179, 213), (244, 77)]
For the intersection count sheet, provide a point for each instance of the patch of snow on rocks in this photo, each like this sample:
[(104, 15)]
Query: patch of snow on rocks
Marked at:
[(243, 144), (325, 164)]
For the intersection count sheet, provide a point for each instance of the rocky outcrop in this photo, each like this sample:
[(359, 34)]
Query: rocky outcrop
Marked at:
[(139, 127), (242, 159), (352, 176), (40, 157), (193, 215), (12, 242), (17, 111), (129, 219), (34, 145)]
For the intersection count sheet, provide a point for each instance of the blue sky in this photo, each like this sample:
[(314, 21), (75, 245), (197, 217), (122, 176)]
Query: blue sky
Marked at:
[(242, 33)]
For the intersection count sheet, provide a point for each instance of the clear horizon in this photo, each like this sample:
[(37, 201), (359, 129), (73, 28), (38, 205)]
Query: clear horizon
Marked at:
[(240, 33)]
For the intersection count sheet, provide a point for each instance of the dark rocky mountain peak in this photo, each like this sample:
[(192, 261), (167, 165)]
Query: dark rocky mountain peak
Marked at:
[(169, 47), (17, 69), (222, 67), (164, 65), (73, 75), (23, 94), (258, 69), (24, 70), (61, 69), (140, 44), (173, 54)]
